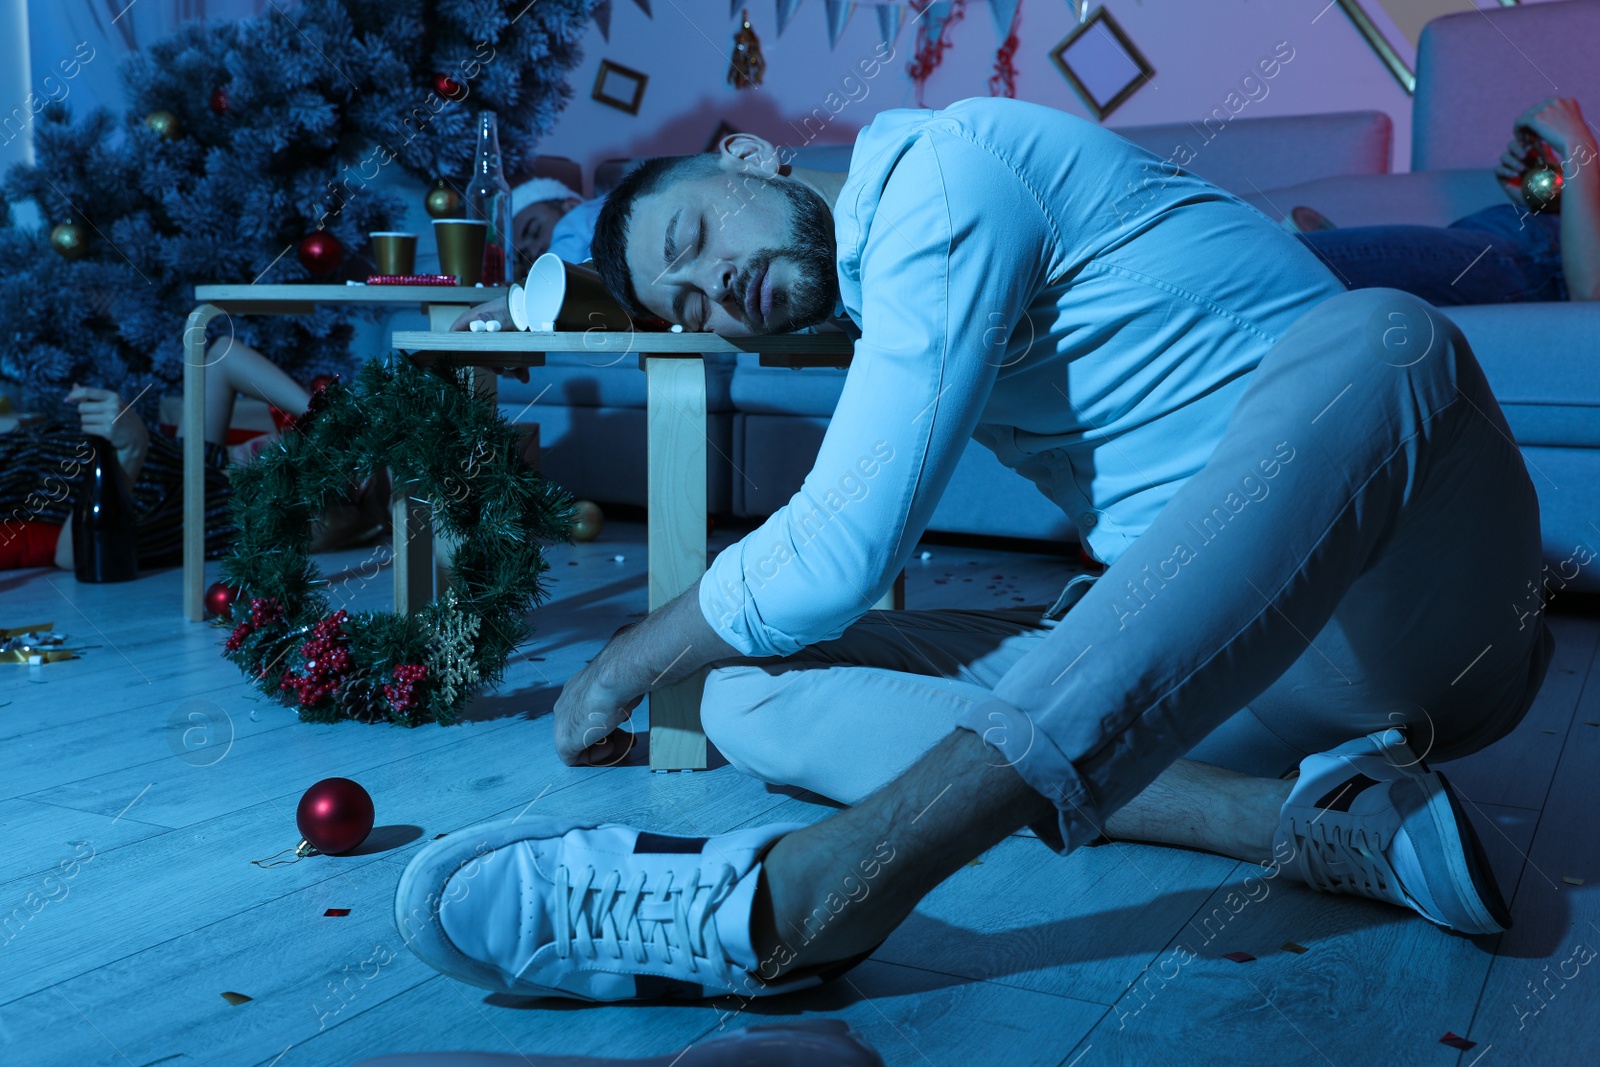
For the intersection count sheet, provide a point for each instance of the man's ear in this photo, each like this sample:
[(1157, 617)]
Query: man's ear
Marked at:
[(739, 152)]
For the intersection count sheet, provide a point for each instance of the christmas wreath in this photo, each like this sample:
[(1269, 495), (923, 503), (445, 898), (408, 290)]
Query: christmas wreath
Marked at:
[(441, 444)]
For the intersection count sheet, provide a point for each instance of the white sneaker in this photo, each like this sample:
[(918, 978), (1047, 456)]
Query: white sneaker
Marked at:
[(1370, 819), (566, 908)]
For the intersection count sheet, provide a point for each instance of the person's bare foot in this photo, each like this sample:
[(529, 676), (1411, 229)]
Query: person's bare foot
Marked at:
[(1309, 220)]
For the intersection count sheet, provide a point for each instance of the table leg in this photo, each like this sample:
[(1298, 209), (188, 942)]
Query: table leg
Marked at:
[(413, 547), (194, 460), (676, 521)]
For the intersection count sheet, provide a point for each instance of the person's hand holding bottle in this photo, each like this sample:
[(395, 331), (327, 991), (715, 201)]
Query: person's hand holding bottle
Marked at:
[(103, 413)]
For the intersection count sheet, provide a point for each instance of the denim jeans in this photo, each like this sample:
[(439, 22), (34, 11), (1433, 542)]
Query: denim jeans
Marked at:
[(1494, 256)]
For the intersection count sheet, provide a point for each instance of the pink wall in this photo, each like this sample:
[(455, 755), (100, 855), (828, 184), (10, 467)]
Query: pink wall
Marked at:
[(1200, 50)]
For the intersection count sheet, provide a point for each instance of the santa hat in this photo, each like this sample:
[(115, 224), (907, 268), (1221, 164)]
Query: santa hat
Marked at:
[(536, 190)]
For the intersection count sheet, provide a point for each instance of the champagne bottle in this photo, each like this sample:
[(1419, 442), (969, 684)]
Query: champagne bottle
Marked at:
[(104, 545), (489, 199)]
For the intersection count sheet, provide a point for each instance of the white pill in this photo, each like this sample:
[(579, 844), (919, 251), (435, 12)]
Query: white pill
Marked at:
[(926, 556), (677, 328), (476, 325), (618, 559), (492, 326)]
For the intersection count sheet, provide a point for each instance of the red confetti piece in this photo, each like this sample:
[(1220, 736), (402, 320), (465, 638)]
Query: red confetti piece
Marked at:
[(337, 912), (1238, 957), (1457, 1041)]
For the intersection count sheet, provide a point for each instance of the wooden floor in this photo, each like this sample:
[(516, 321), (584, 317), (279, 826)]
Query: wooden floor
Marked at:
[(138, 782)]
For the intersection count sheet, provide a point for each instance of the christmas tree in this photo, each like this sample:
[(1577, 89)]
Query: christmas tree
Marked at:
[(242, 140)]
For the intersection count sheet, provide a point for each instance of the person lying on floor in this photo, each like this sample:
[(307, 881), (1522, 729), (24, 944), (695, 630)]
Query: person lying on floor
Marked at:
[(1311, 509), (1507, 253), (39, 464)]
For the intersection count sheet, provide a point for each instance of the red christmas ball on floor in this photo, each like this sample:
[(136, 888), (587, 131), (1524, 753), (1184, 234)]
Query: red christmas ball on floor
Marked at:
[(321, 252), (220, 598), (335, 815), (447, 86)]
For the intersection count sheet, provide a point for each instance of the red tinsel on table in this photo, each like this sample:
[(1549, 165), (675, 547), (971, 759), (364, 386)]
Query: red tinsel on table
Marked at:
[(1003, 82), (402, 694), (933, 40), (327, 657)]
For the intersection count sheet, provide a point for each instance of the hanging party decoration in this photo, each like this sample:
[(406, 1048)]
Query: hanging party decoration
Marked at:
[(935, 18), (889, 19), (70, 241), (1003, 82), (165, 124), (602, 18), (786, 10), (444, 201), (748, 65), (838, 13)]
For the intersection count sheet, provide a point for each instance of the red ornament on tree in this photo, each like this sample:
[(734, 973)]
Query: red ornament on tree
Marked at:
[(321, 252), (220, 598), (448, 87), (219, 100), (334, 816)]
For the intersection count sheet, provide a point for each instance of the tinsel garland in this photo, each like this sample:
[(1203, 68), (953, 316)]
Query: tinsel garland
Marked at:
[(442, 445), (1003, 82), (933, 40)]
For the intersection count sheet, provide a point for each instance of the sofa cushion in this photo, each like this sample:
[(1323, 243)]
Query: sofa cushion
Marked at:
[(606, 380), (785, 391), (1478, 70), (1548, 386), (1425, 198), (1247, 155)]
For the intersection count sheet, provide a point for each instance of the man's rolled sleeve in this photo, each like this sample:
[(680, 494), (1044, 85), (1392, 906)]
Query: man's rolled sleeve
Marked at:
[(948, 263)]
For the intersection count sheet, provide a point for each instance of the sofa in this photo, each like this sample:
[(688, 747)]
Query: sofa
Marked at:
[(1543, 360)]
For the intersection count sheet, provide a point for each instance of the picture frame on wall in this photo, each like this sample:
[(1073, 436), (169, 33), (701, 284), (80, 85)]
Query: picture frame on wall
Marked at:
[(619, 87), (1393, 27), (722, 130), (1101, 63)]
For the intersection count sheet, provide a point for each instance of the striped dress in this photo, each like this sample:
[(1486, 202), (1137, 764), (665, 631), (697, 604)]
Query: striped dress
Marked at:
[(42, 467)]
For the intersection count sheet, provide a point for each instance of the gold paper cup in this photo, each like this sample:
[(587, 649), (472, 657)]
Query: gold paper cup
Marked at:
[(461, 248), (394, 253), (569, 297)]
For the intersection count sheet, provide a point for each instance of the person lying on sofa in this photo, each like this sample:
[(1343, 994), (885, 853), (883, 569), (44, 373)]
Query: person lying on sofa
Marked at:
[(547, 215), (40, 465), (1311, 509), (1502, 254)]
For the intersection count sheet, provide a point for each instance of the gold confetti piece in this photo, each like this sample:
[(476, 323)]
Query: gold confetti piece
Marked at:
[(975, 863), (437, 836), (235, 998), (1547, 731), (1572, 881), (1290, 946), (1590, 722)]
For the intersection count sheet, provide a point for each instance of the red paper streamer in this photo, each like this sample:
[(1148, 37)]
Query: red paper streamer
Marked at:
[(1457, 1041), (1238, 957), (1003, 82), (930, 51), (337, 912)]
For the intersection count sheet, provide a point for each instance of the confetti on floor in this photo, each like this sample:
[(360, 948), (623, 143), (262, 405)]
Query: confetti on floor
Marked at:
[(1571, 881), (1547, 731), (437, 836), (1456, 1041), (1290, 946), (1590, 722), (235, 999), (1238, 957), (975, 863), (336, 912)]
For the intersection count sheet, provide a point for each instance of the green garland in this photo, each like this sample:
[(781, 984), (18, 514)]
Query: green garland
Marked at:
[(457, 452)]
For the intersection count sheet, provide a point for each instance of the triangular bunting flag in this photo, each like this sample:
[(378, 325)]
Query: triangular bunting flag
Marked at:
[(786, 10), (889, 17), (644, 5), (602, 18), (733, 8), (839, 12), (1003, 11)]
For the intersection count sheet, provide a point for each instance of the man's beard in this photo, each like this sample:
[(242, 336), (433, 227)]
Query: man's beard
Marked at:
[(812, 296)]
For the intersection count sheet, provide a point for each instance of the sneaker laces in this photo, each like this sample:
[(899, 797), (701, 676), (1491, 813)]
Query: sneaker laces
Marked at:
[(1341, 859), (672, 920)]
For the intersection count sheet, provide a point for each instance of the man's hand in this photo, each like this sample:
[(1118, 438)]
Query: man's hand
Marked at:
[(496, 310), (587, 715)]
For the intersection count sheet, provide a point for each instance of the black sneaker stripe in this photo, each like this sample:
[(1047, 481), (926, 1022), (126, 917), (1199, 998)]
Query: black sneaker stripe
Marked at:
[(658, 843), (1340, 796), (654, 987)]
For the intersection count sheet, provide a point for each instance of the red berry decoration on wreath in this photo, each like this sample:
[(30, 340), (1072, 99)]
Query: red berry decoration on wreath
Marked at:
[(327, 656), (262, 613), (321, 252), (402, 693)]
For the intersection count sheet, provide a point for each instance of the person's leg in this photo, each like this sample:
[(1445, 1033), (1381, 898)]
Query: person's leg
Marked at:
[(233, 367), (1442, 265)]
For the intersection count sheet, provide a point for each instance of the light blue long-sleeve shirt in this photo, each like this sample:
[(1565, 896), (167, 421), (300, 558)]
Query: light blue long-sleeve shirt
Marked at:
[(1086, 310)]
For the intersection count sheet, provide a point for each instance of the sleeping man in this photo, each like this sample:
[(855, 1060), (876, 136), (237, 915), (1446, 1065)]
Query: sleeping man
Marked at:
[(1312, 511)]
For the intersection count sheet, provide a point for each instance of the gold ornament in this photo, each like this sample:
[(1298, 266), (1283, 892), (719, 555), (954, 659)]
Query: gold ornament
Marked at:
[(748, 64), (587, 520), (443, 202), (165, 124), (70, 241)]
